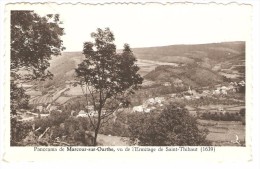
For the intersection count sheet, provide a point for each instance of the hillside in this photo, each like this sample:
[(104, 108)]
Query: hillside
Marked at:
[(213, 53), (226, 57), (188, 65), (198, 65), (194, 76), (63, 68)]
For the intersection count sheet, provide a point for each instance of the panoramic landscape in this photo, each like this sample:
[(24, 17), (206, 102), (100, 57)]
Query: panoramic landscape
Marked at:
[(110, 95)]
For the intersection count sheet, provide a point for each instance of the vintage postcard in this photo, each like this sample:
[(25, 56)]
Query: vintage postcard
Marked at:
[(167, 80)]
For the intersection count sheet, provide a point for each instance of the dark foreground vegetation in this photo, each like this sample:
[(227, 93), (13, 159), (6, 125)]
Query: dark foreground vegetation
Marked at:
[(173, 126)]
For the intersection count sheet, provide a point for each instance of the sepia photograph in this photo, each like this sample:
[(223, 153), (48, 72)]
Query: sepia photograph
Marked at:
[(129, 75)]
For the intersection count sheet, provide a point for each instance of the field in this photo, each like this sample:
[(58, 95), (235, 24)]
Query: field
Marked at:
[(147, 66), (223, 133)]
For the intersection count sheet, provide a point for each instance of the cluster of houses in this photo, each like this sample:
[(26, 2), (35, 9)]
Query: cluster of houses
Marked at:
[(88, 112), (149, 105), (157, 102), (219, 91), (46, 109), (232, 87)]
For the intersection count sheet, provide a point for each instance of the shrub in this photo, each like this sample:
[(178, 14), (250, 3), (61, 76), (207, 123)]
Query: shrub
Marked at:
[(19, 130), (75, 129), (79, 136), (174, 126), (54, 119), (57, 131)]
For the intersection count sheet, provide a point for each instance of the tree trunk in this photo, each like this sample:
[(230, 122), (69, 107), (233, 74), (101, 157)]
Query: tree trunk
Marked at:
[(97, 127), (95, 138)]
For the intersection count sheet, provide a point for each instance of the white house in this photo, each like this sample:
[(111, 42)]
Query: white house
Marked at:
[(138, 108), (159, 100), (167, 84), (197, 97), (82, 113), (216, 92), (39, 108), (187, 97), (173, 95), (224, 88), (147, 110)]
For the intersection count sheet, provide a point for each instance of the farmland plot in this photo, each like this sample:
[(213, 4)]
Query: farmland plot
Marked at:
[(223, 133)]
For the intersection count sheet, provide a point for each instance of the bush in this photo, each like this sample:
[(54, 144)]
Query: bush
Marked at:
[(54, 119), (19, 130), (79, 136), (75, 129), (58, 131), (174, 126)]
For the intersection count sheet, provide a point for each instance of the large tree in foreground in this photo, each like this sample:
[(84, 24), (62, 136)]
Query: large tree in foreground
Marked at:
[(34, 39), (108, 77)]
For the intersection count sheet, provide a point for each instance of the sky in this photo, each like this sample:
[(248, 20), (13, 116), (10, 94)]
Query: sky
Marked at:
[(153, 24)]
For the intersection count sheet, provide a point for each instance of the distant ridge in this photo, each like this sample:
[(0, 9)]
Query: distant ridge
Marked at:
[(210, 57), (188, 53)]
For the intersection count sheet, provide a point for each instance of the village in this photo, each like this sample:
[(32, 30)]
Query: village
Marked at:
[(43, 105)]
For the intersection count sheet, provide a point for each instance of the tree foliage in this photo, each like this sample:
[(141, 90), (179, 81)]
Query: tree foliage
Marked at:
[(174, 126), (34, 39), (107, 75)]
